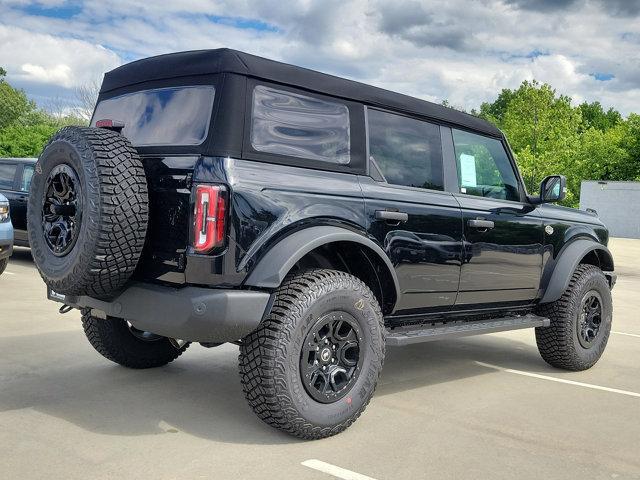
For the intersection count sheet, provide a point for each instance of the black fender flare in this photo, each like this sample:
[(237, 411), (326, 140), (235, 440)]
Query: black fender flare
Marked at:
[(274, 265), (569, 258)]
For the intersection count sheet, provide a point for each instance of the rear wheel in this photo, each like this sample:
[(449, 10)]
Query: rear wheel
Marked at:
[(118, 341), (580, 322), (312, 365)]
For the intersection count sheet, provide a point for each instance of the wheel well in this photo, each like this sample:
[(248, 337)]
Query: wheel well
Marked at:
[(600, 259), (359, 261)]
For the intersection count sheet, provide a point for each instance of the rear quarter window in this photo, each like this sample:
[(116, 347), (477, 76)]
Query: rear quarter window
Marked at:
[(163, 116), (302, 126)]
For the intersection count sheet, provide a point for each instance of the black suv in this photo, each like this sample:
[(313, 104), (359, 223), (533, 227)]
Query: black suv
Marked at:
[(15, 180), (311, 220)]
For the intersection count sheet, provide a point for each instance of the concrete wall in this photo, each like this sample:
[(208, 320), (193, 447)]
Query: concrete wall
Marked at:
[(617, 204)]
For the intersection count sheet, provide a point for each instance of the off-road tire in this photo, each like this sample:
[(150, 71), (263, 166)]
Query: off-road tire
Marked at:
[(114, 216), (270, 356), (3, 265), (112, 338), (558, 343)]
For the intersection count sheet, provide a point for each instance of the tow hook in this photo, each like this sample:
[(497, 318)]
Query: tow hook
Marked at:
[(65, 309)]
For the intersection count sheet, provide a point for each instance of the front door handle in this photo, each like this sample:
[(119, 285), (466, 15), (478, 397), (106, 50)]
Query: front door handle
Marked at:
[(481, 224), (392, 216)]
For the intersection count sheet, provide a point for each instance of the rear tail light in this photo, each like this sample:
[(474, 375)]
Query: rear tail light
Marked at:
[(209, 217)]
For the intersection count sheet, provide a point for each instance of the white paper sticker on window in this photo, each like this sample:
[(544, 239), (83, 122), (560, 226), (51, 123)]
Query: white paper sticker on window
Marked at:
[(468, 170)]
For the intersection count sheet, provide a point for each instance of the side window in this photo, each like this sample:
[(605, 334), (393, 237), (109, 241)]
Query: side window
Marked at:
[(7, 175), (296, 125), (484, 168), (27, 173), (407, 151)]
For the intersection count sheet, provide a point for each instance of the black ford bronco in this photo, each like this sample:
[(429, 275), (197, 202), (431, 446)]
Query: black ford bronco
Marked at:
[(311, 220)]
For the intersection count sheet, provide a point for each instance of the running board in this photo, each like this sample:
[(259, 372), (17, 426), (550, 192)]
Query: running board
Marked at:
[(418, 334)]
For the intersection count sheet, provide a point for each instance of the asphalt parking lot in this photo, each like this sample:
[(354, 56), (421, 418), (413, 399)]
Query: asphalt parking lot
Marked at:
[(481, 407)]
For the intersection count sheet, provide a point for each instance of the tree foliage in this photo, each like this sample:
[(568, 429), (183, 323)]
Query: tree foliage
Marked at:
[(24, 128), (549, 135)]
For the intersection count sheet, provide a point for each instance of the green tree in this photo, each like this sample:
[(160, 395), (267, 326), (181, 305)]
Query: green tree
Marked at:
[(542, 128), (494, 111), (14, 103), (24, 128), (24, 140), (594, 116)]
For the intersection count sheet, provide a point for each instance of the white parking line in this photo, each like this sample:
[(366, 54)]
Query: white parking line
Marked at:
[(9, 273), (335, 471), (626, 334), (560, 380)]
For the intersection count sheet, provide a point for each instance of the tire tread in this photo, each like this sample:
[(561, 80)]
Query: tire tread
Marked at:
[(262, 354)]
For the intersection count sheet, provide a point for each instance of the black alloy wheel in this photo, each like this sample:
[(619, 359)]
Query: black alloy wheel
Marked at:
[(312, 365), (61, 210), (580, 321), (87, 212), (330, 360), (590, 318)]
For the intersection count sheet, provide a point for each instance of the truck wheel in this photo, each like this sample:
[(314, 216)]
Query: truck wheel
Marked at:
[(312, 365), (87, 212), (116, 340), (3, 265), (580, 322)]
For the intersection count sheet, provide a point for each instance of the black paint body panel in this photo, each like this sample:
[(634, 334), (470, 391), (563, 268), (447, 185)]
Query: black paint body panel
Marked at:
[(442, 265), (18, 200)]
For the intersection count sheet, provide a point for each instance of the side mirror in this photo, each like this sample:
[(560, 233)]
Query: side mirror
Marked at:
[(553, 189)]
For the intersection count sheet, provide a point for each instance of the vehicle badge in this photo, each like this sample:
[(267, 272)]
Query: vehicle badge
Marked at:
[(548, 229)]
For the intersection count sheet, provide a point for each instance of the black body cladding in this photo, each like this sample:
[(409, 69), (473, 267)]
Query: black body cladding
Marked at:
[(452, 250)]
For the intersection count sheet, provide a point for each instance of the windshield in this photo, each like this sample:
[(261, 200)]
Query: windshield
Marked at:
[(163, 116)]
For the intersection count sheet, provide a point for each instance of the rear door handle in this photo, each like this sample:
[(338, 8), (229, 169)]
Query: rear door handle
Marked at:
[(392, 216), (481, 224)]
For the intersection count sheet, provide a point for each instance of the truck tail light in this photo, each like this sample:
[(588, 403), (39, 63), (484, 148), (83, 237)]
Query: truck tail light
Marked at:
[(209, 217)]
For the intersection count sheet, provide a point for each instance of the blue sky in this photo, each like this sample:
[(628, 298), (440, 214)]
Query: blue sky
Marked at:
[(462, 51)]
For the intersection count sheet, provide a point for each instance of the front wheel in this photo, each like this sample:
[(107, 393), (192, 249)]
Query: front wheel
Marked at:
[(312, 365), (3, 265), (580, 321), (118, 341)]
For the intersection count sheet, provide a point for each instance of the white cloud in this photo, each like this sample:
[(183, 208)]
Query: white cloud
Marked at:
[(38, 58), (462, 51), (59, 74)]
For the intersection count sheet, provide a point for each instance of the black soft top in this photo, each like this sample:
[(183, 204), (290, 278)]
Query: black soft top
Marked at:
[(224, 60)]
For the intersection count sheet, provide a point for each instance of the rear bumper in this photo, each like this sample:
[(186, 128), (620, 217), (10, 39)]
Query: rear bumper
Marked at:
[(191, 313)]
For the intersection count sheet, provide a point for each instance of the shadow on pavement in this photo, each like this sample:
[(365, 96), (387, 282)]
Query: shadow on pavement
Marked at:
[(200, 393), (21, 256)]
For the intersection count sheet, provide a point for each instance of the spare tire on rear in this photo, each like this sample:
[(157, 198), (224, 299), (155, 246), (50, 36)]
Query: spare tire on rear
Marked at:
[(88, 211)]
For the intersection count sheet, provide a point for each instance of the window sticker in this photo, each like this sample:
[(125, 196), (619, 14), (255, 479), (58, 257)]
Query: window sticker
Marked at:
[(467, 171)]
